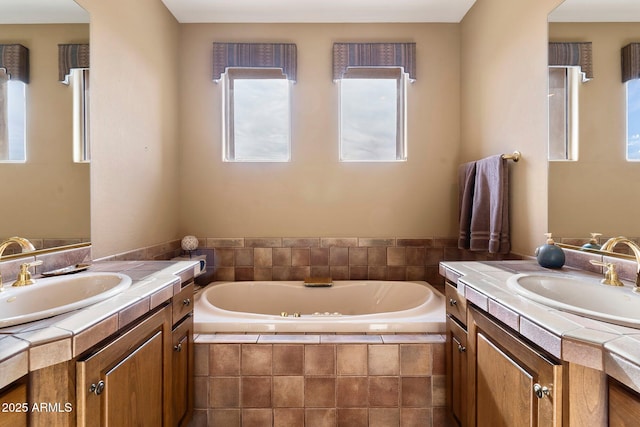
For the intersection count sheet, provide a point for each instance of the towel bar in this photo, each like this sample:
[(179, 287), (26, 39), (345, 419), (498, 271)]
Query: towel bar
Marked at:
[(515, 156)]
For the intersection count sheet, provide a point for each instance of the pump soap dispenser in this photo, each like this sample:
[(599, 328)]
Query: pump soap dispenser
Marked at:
[(593, 242), (550, 255)]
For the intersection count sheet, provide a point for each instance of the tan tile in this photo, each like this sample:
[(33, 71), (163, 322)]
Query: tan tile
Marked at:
[(358, 272), (352, 392), (225, 417), (223, 257), (264, 274), (338, 256), (300, 242), (320, 271), (377, 272), (288, 391), (94, 334), (396, 273), (384, 391), (319, 256), (244, 273), (415, 391), (358, 256), (133, 312), (384, 359), (244, 257), (416, 273), (256, 392), (339, 272), (288, 359), (224, 392), (319, 392), (416, 417), (438, 354), (256, 359), (438, 390), (224, 359), (257, 418), (427, 243), (384, 417), (415, 256), (415, 359), (327, 242), (199, 418), (225, 243), (353, 417), (300, 257), (201, 394), (282, 257), (363, 241), (351, 359), (396, 256), (263, 257), (272, 242), (288, 417), (433, 256), (49, 354), (320, 359), (225, 274), (320, 417)]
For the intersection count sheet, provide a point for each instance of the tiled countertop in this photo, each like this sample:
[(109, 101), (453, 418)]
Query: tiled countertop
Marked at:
[(35, 345), (599, 345)]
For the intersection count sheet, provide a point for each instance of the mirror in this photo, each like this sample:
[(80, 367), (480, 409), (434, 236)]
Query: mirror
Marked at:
[(598, 192), (46, 198)]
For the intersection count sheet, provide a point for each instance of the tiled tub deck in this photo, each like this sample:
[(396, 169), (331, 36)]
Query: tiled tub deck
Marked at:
[(319, 380)]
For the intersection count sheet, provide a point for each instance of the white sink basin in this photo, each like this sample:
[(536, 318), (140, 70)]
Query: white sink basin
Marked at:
[(619, 305), (56, 295)]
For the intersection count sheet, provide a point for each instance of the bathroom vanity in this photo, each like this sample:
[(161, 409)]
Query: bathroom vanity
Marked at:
[(514, 362), (126, 358)]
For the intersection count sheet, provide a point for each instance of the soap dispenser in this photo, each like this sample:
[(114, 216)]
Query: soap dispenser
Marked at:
[(593, 242), (550, 255)]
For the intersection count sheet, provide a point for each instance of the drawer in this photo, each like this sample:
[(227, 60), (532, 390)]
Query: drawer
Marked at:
[(182, 303), (456, 303)]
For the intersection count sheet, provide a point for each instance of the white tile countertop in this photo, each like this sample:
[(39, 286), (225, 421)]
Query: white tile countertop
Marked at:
[(35, 345), (607, 347)]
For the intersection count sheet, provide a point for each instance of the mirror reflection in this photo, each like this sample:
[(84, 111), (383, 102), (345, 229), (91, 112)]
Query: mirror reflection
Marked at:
[(45, 197), (597, 191)]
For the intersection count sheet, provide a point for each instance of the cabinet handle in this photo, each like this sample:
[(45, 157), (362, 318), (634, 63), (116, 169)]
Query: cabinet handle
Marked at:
[(186, 302), (541, 391), (461, 348), (452, 302), (178, 348), (97, 389)]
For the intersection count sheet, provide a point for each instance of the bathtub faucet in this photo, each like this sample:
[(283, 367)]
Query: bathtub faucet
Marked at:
[(318, 282)]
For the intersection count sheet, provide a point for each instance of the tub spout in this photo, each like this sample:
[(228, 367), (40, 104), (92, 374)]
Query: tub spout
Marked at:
[(318, 282)]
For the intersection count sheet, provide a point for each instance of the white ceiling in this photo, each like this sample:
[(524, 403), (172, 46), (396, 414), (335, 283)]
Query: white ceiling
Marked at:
[(319, 10), (597, 11), (41, 12)]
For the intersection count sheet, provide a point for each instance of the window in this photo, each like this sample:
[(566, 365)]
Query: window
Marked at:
[(257, 111), (633, 120), (372, 115), (563, 112), (81, 142), (12, 120)]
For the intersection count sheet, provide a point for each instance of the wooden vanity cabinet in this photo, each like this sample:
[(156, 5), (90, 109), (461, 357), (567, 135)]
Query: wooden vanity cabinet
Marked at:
[(511, 383), (182, 359), (624, 406), (12, 406), (456, 355)]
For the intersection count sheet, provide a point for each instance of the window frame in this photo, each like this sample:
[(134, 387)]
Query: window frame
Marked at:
[(626, 142), (228, 120), (379, 73), (572, 80), (80, 83), (10, 107)]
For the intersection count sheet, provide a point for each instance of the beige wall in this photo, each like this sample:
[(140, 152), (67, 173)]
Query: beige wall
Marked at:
[(504, 103), (314, 194), (48, 196), (134, 171), (600, 191)]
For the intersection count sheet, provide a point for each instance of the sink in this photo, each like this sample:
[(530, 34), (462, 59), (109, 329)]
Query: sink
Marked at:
[(56, 295), (583, 296)]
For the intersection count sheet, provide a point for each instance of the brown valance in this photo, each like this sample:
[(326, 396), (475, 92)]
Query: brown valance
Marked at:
[(572, 55), (630, 62), (255, 55), (14, 58), (71, 56), (346, 55)]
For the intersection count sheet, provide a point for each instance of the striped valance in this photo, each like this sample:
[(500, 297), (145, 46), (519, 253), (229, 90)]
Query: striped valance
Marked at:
[(14, 58), (572, 55), (255, 55), (71, 56), (347, 55), (630, 62)]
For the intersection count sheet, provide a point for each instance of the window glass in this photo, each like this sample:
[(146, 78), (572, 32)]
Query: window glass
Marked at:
[(633, 119), (12, 120), (372, 116), (257, 116)]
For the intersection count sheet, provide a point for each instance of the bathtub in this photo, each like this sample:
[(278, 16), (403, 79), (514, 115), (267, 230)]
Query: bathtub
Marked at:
[(348, 306)]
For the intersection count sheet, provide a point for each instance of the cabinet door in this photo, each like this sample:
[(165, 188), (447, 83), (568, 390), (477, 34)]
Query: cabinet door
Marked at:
[(513, 384), (456, 361), (182, 372), (124, 383), (624, 406), (14, 407)]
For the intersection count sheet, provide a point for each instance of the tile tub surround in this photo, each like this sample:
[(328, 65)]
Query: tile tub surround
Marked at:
[(597, 345), (324, 380)]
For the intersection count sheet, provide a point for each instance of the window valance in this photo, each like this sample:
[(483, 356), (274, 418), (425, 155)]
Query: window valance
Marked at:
[(566, 54), (14, 58), (255, 55), (347, 55), (71, 56), (630, 62)]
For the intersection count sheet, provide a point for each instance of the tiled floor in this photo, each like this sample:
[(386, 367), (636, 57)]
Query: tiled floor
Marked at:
[(319, 380)]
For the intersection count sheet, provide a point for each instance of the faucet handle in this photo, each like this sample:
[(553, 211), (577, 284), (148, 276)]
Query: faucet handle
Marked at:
[(611, 275), (24, 277)]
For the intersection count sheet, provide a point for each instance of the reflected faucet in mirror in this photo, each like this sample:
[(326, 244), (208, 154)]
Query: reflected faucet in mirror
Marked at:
[(24, 244), (611, 243)]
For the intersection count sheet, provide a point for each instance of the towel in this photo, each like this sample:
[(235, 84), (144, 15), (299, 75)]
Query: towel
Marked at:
[(490, 211), (466, 183)]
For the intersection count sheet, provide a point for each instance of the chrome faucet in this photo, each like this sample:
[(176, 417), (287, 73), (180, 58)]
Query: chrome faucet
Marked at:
[(24, 244), (612, 242)]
